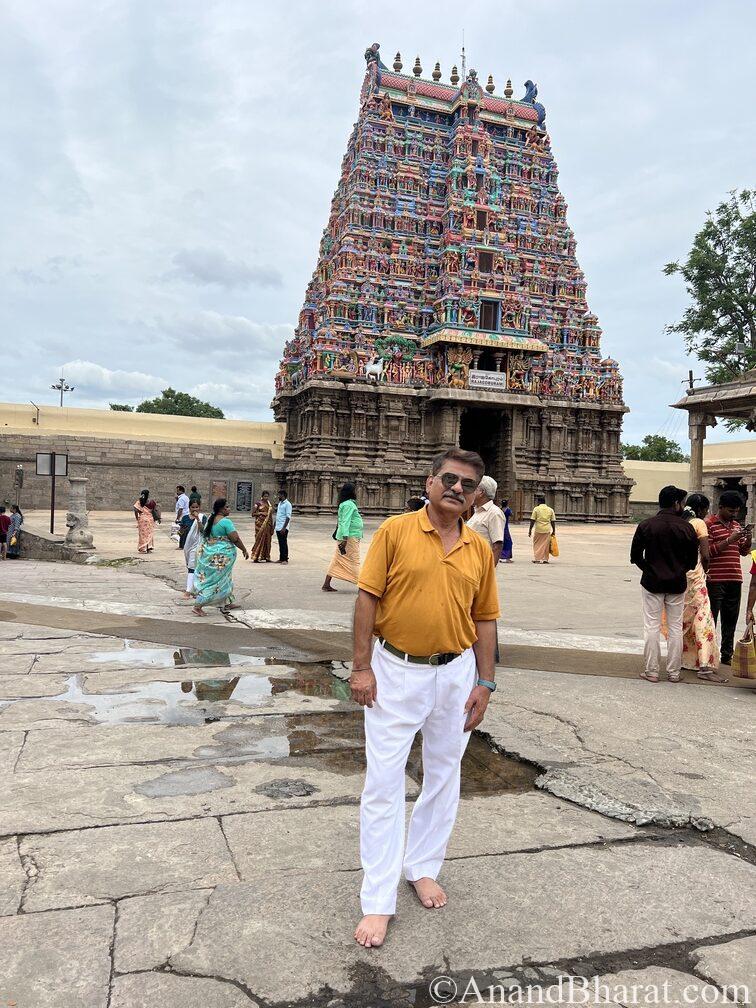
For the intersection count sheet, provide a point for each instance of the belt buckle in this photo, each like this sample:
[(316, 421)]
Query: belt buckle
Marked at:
[(434, 659)]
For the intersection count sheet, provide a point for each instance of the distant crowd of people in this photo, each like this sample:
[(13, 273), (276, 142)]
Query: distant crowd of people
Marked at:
[(689, 560), (691, 579), (210, 541)]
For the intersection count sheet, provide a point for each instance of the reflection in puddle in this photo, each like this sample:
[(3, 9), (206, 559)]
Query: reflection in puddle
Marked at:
[(169, 657), (332, 741)]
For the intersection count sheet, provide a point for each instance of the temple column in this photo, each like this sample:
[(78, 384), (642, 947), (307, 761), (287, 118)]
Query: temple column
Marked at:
[(697, 434), (499, 357)]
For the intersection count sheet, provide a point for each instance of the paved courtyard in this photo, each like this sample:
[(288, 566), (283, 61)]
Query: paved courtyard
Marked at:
[(180, 808)]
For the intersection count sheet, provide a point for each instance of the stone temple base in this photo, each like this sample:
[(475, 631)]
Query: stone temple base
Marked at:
[(383, 438)]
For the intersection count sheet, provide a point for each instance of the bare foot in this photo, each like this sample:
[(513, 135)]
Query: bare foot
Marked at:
[(196, 611), (328, 588), (371, 931), (430, 893), (187, 595)]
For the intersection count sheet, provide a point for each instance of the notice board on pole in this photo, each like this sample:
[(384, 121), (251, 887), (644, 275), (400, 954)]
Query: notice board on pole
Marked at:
[(45, 464)]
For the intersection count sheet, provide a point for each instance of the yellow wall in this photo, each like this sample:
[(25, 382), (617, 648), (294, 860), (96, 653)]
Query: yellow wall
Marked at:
[(21, 419), (726, 457), (650, 477)]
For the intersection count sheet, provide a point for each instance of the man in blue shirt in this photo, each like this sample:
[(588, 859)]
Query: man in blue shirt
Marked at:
[(283, 520)]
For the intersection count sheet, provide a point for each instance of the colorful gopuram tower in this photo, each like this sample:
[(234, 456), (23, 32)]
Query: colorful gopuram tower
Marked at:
[(447, 307)]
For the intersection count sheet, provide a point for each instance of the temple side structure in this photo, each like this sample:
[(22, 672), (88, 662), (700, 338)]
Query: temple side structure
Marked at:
[(448, 307)]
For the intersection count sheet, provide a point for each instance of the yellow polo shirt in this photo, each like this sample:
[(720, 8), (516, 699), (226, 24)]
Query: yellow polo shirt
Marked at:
[(428, 601)]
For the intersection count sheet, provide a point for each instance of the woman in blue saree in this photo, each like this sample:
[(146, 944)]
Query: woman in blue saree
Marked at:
[(216, 556), (506, 551)]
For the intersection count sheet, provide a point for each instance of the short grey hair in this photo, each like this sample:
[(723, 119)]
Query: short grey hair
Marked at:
[(489, 486)]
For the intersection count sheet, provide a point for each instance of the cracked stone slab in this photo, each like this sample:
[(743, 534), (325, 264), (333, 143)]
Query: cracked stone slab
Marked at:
[(492, 825), (152, 928), (12, 877), (730, 966), (16, 665), (543, 907), (72, 746), (57, 960), (609, 749), (146, 990), (95, 865), (11, 745), (71, 799), (32, 685), (657, 985)]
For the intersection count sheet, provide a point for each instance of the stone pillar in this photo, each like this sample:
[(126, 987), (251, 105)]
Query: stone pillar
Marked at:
[(697, 433), (77, 522)]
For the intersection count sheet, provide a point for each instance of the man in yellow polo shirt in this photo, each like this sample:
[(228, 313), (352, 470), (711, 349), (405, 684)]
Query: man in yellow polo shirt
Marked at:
[(427, 590)]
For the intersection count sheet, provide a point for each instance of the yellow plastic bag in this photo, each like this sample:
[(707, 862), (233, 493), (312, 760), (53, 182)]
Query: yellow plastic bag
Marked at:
[(744, 655), (554, 546)]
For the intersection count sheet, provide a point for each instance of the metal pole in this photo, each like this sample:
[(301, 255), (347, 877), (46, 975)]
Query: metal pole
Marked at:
[(52, 493)]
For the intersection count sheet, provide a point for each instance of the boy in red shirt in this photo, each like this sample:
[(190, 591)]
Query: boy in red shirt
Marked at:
[(728, 542)]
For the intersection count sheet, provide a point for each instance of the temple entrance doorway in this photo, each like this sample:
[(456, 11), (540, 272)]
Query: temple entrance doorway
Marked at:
[(484, 431)]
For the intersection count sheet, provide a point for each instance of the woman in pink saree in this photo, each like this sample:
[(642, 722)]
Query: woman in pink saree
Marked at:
[(146, 513)]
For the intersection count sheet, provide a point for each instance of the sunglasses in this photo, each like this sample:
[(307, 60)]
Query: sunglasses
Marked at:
[(450, 479)]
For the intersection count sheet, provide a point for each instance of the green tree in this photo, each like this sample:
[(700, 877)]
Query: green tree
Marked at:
[(655, 448), (179, 404), (720, 277), (121, 407)]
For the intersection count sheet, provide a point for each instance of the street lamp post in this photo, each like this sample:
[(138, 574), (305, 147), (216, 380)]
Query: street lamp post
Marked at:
[(62, 386)]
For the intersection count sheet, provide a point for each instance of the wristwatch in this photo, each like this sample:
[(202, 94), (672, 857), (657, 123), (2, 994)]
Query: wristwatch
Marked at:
[(488, 684)]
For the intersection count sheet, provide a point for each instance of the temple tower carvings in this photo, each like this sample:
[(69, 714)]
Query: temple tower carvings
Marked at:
[(448, 307)]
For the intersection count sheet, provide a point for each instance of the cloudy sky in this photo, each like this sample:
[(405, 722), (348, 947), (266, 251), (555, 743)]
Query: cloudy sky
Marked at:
[(166, 168)]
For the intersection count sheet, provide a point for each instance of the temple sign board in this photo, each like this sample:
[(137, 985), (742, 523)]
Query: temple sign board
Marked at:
[(494, 381)]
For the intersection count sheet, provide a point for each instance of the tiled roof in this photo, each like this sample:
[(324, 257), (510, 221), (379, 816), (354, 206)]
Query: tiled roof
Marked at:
[(446, 93)]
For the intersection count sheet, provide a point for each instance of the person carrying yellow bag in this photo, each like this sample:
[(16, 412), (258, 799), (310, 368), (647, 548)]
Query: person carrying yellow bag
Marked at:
[(543, 521)]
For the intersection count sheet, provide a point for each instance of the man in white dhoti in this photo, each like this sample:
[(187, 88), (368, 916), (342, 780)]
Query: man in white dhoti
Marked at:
[(427, 591)]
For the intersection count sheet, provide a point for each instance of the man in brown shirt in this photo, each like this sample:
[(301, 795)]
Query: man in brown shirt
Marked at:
[(427, 590)]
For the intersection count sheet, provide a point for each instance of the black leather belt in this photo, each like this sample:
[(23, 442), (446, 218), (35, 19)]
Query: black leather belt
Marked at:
[(434, 659)]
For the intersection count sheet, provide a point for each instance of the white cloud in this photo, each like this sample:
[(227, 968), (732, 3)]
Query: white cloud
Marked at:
[(88, 378), (210, 266), (155, 131), (215, 333), (238, 397)]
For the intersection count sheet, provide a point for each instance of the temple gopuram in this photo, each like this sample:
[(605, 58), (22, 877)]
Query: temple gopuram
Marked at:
[(448, 308)]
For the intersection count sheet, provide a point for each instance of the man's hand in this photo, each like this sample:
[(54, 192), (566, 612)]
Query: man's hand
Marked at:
[(735, 536), (475, 708), (364, 687)]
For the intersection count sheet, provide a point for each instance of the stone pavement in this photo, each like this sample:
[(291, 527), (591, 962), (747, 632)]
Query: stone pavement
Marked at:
[(180, 808)]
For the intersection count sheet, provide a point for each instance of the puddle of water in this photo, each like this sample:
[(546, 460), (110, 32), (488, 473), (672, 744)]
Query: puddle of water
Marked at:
[(335, 742), (195, 702), (169, 657)]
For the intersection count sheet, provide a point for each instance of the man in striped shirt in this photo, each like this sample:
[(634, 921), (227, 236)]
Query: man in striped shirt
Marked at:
[(728, 542)]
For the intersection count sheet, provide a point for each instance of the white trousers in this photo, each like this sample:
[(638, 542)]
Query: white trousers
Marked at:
[(411, 698), (653, 605)]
